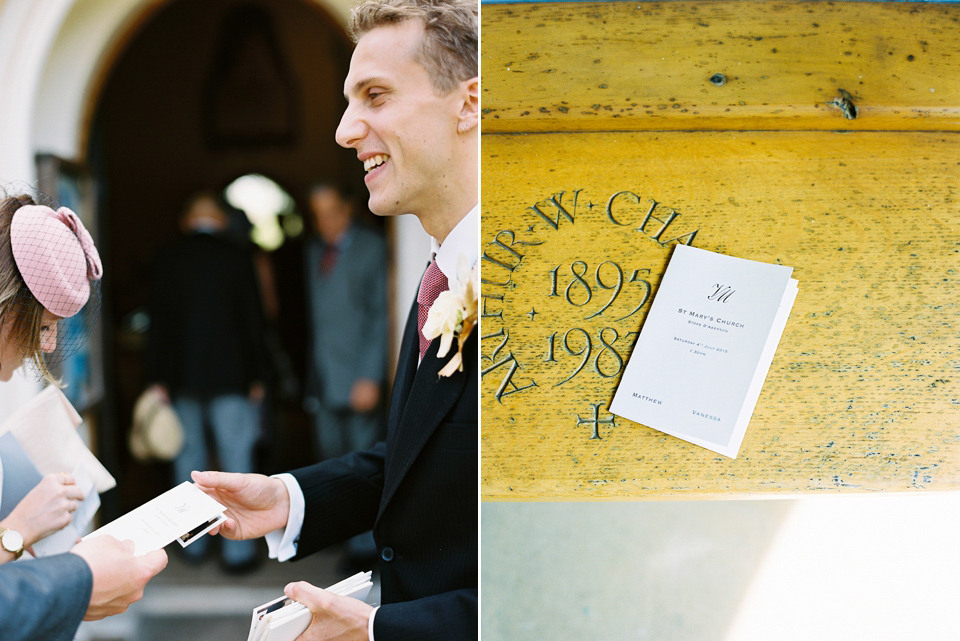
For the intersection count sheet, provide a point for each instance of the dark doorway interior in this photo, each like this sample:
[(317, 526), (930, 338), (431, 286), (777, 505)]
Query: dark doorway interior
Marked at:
[(200, 94)]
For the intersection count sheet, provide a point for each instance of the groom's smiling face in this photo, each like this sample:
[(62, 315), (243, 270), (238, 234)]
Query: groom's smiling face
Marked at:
[(403, 131)]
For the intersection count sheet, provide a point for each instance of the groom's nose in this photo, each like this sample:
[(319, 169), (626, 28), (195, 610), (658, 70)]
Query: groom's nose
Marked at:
[(351, 128)]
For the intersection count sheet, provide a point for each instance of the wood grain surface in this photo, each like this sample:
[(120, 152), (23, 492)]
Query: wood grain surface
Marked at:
[(577, 227), (641, 66)]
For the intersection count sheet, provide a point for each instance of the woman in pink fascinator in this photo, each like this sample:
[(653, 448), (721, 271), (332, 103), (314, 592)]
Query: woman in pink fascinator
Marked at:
[(47, 260), (49, 270)]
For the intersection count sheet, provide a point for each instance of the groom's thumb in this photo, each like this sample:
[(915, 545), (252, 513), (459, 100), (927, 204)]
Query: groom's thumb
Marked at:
[(309, 595)]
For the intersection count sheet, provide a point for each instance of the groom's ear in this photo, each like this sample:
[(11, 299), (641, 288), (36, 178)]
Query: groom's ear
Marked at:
[(469, 116)]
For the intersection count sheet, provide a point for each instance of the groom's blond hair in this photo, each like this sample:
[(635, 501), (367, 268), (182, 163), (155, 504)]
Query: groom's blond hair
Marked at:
[(449, 50)]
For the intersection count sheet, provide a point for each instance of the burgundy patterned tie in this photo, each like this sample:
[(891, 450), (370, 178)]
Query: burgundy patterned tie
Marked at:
[(431, 285)]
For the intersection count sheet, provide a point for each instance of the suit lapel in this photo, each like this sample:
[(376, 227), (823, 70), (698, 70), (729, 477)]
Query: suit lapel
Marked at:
[(421, 399)]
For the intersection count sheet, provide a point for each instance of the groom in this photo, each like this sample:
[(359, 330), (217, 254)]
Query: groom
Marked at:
[(412, 115)]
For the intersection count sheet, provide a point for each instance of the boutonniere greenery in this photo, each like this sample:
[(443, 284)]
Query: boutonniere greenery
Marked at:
[(454, 314)]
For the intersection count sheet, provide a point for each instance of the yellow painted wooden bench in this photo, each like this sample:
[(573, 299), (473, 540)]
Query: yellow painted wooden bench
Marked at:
[(820, 136)]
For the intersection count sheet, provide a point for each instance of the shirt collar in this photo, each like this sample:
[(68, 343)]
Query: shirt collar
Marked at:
[(462, 239)]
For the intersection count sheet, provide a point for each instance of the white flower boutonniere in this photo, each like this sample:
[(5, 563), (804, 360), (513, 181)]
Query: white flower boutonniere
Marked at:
[(454, 313)]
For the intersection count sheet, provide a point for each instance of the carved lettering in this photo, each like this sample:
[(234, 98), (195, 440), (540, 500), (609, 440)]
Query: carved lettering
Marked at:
[(578, 280), (553, 281), (513, 240), (608, 347), (503, 263), (585, 350), (508, 379), (562, 212), (686, 239), (506, 337), (666, 223), (550, 358), (579, 291), (680, 239), (615, 287), (635, 278), (483, 307), (636, 199)]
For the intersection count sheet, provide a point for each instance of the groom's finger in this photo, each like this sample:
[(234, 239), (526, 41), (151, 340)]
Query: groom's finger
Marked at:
[(225, 481)]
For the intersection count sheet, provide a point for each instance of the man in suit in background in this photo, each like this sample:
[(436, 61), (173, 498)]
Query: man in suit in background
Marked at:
[(206, 351), (346, 276), (412, 116)]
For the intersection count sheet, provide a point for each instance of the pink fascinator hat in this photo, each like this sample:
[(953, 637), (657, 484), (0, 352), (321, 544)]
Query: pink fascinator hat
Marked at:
[(56, 257)]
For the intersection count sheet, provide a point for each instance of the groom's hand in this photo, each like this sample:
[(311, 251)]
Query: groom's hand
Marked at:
[(335, 618), (256, 504)]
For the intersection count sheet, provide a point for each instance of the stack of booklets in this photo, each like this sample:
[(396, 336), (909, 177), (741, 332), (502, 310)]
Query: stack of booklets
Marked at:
[(41, 438), (284, 619), (705, 348)]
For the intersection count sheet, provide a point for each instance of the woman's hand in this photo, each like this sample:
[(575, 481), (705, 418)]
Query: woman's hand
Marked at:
[(47, 508)]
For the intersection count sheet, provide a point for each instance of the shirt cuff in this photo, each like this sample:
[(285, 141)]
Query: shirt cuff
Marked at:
[(370, 623), (282, 542)]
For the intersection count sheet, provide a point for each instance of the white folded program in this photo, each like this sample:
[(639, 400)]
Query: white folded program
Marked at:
[(283, 619)]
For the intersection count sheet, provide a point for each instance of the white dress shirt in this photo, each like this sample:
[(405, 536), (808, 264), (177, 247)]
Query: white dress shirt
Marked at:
[(464, 239)]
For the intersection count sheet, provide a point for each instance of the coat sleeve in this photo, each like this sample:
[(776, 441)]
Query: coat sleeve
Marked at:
[(44, 598), (341, 498), (450, 616)]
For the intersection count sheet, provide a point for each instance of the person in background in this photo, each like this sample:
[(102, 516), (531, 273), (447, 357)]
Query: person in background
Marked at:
[(205, 351), (346, 277), (47, 261)]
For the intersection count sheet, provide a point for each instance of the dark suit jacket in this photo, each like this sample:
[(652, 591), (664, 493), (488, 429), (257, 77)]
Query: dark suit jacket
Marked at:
[(348, 317), (206, 325), (418, 491), (44, 598)]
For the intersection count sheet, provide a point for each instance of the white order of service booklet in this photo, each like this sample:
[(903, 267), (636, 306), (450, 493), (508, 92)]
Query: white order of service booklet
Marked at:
[(182, 514), (705, 348)]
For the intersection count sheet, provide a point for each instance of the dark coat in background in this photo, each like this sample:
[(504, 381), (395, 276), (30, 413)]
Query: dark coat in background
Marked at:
[(206, 324)]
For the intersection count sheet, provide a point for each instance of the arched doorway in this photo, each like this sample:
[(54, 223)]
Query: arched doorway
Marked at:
[(201, 94)]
